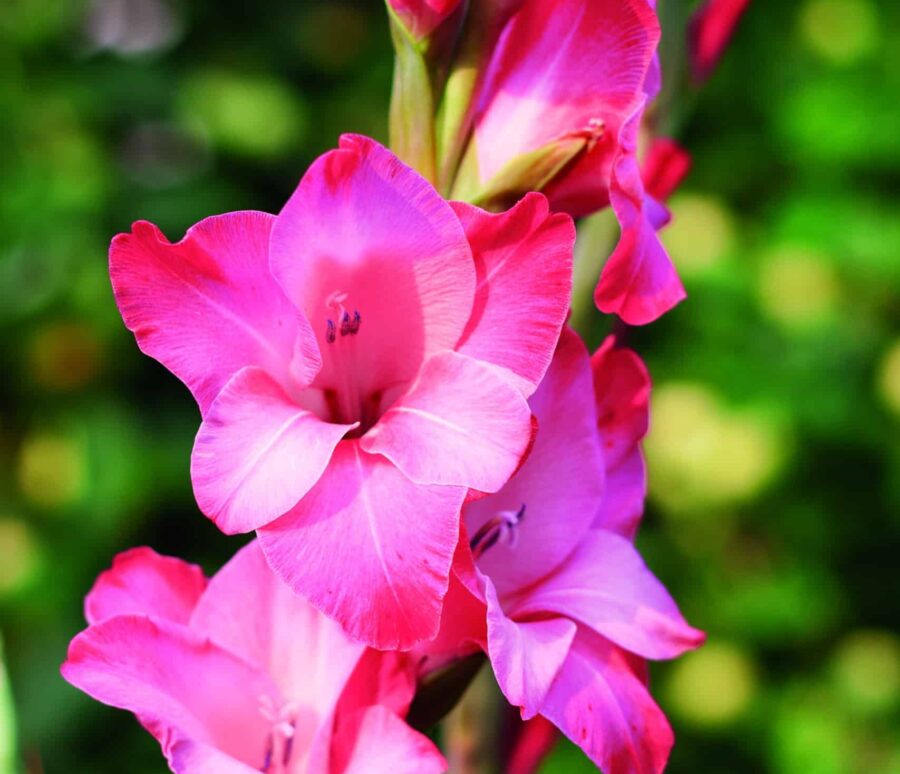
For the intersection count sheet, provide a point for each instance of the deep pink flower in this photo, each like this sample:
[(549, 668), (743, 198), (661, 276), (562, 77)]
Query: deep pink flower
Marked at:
[(582, 71), (421, 17), (709, 32), (572, 611), (361, 361), (241, 675)]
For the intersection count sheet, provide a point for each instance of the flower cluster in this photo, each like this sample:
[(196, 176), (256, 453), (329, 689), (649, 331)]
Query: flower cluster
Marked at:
[(432, 462)]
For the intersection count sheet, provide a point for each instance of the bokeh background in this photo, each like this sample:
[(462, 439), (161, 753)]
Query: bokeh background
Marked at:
[(774, 453)]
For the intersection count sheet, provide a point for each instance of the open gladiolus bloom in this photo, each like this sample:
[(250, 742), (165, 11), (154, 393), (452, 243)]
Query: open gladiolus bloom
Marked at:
[(437, 472), (241, 675), (361, 361), (570, 612)]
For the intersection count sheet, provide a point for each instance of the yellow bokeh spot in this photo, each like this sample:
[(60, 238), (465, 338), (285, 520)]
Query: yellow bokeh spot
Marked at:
[(866, 668), (889, 378), (52, 470), (19, 555), (840, 31), (797, 287), (701, 453), (701, 234), (713, 686)]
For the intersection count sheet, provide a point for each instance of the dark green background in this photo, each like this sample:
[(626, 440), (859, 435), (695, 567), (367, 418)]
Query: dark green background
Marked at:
[(775, 453)]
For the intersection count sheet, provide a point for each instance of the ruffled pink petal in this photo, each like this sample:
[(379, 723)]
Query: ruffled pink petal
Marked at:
[(141, 581), (560, 484), (207, 306), (421, 17), (180, 685), (622, 392), (257, 453), (523, 259), (460, 424), (376, 740), (365, 233), (638, 282), (370, 548), (525, 655), (606, 585), (604, 707), (562, 68), (247, 609)]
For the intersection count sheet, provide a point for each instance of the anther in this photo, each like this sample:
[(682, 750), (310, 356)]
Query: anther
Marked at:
[(330, 332), (502, 526), (357, 319), (346, 322)]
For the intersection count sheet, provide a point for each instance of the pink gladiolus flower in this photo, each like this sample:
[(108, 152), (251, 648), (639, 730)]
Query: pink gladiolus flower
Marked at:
[(571, 609), (709, 33), (584, 70), (422, 17), (240, 675), (361, 361)]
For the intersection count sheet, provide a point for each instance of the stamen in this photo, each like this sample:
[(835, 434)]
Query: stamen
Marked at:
[(281, 737), (330, 333), (502, 526)]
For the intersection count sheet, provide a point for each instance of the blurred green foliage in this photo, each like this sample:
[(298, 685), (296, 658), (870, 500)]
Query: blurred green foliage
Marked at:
[(775, 452)]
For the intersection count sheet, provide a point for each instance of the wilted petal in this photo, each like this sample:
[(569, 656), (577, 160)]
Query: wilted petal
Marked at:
[(141, 581), (370, 548), (257, 453), (207, 306), (461, 424), (523, 260)]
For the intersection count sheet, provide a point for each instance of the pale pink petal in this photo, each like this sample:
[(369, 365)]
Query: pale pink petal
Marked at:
[(523, 259), (257, 453), (247, 609), (141, 581), (376, 741), (365, 233), (421, 17), (189, 757), (370, 548), (638, 282), (562, 68), (179, 684), (207, 306), (604, 707), (460, 424), (560, 484), (606, 585), (525, 655)]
